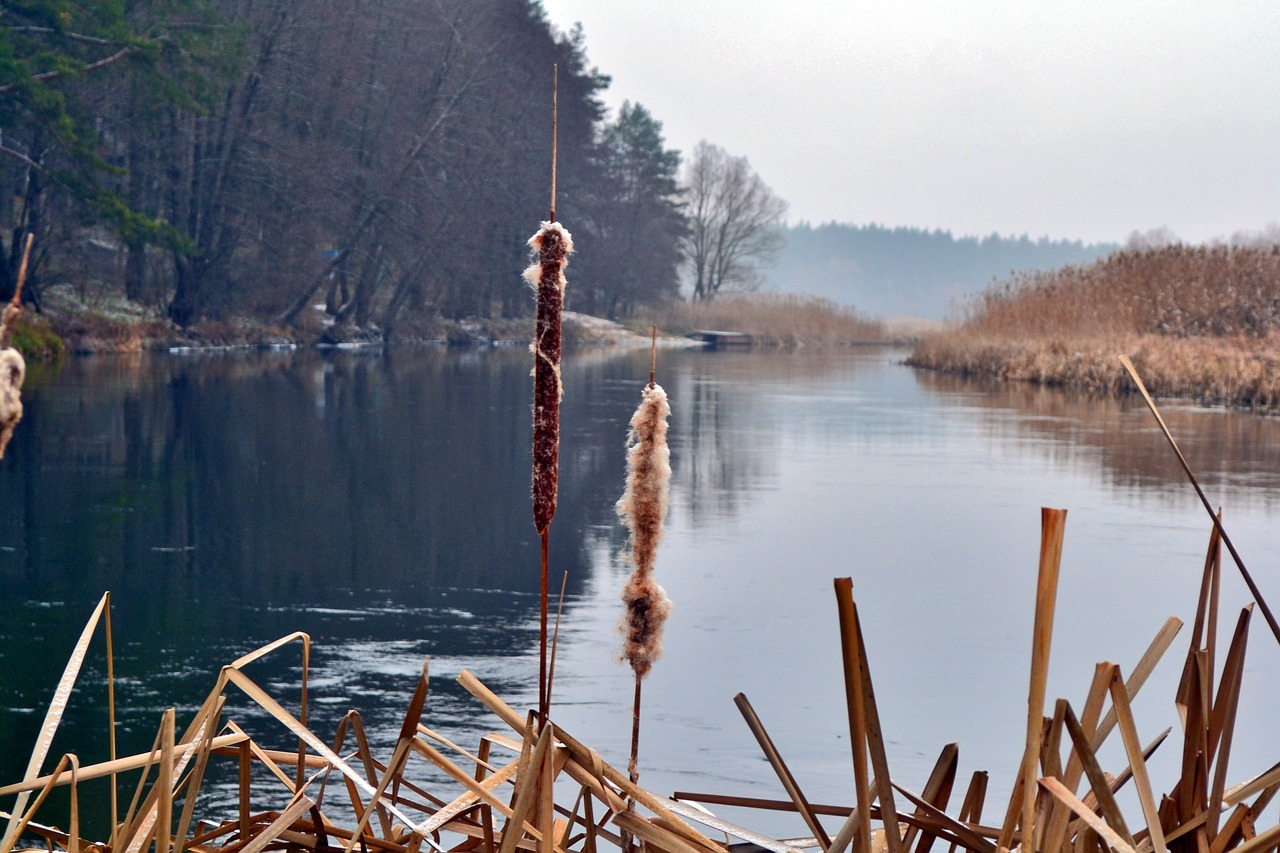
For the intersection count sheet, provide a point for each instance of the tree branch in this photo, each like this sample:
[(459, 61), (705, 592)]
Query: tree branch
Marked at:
[(92, 66), (18, 155), (72, 36)]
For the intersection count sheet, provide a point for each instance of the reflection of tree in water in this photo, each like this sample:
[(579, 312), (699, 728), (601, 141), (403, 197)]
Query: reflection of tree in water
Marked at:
[(730, 412), (367, 498), (718, 461), (303, 478), (1235, 455)]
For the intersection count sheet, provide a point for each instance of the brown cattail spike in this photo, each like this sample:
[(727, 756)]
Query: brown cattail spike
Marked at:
[(642, 508), (553, 245)]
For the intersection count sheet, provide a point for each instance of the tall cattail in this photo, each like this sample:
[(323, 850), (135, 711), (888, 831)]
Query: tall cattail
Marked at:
[(642, 508), (553, 245)]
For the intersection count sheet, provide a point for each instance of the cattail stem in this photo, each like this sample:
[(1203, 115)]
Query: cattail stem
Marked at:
[(653, 354), (544, 696), (555, 90), (633, 767)]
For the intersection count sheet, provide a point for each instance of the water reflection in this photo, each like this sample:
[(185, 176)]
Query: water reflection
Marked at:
[(1235, 455), (229, 499)]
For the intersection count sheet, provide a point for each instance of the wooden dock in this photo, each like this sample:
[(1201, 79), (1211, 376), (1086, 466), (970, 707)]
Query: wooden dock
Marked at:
[(712, 339)]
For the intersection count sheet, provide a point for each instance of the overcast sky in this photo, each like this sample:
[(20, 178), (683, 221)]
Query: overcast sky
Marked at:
[(1083, 120)]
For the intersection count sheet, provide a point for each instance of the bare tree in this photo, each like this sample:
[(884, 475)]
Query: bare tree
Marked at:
[(735, 222)]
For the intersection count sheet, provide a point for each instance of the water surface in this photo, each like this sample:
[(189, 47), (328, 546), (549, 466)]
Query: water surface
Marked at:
[(380, 503)]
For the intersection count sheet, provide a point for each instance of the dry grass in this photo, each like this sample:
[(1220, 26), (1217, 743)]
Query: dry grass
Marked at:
[(786, 320), (1198, 322)]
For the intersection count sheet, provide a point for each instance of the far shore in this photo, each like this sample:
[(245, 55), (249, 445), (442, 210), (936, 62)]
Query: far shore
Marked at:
[(784, 321), (1199, 323)]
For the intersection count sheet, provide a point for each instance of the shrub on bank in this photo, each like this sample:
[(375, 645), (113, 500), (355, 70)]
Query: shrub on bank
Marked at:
[(36, 339)]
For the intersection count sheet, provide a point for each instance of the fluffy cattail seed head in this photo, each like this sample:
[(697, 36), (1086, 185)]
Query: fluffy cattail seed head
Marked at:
[(643, 508), (12, 371), (553, 245)]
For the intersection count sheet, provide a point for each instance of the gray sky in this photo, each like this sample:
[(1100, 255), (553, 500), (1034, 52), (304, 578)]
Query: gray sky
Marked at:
[(1080, 120)]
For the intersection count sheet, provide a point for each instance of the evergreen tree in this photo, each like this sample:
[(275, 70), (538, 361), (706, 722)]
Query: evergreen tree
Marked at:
[(62, 153), (634, 255)]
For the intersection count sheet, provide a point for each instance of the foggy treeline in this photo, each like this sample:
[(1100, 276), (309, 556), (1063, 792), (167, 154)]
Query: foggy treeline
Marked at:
[(387, 158), (911, 271)]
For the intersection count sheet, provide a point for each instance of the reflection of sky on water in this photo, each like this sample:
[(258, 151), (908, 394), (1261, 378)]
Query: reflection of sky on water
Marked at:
[(790, 469)]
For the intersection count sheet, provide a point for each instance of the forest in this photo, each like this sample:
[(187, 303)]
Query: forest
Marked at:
[(256, 158), (888, 271)]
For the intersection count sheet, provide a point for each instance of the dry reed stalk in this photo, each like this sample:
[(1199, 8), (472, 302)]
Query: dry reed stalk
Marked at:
[(53, 717), (1137, 761), (875, 745), (779, 766), (1222, 718), (1195, 483), (1052, 526), (937, 792), (855, 699)]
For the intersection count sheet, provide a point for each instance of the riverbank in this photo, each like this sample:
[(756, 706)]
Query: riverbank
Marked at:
[(784, 320), (68, 325), (1200, 323)]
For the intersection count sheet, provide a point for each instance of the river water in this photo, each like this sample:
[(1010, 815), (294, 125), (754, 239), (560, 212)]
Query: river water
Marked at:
[(379, 502)]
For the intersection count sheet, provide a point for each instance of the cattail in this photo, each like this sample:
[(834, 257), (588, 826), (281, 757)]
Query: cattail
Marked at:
[(642, 508), (12, 371), (553, 245), (12, 367)]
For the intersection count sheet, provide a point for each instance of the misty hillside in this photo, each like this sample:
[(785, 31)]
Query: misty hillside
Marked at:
[(888, 272)]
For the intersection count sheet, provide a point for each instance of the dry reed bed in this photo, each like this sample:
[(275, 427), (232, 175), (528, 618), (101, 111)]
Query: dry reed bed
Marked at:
[(786, 320), (532, 786), (1199, 322)]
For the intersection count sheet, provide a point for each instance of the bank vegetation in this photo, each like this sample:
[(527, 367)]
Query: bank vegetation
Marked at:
[(1199, 322), (776, 319)]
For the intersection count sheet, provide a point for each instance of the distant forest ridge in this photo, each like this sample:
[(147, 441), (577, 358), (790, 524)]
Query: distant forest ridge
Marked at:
[(887, 272)]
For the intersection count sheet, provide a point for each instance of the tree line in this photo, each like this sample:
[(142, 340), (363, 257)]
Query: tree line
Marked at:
[(385, 158), (890, 271)]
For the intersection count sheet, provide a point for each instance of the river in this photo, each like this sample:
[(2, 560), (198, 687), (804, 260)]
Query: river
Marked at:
[(379, 502)]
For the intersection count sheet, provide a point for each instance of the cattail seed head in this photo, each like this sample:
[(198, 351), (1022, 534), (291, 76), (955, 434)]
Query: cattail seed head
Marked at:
[(12, 371), (553, 245), (643, 508)]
